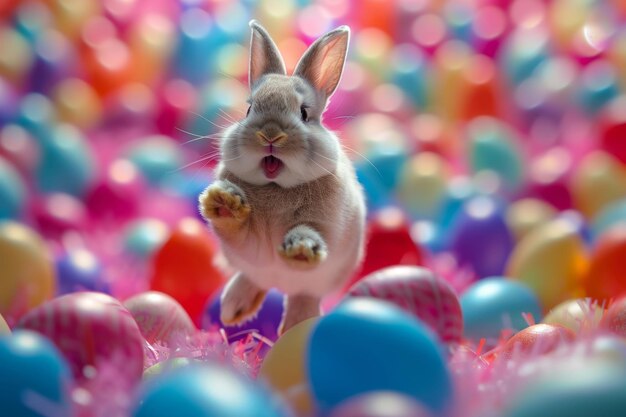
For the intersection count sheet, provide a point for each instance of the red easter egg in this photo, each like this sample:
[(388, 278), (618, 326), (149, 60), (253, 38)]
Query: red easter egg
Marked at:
[(613, 139), (615, 317), (389, 243), (421, 293), (184, 267), (90, 328), (538, 339), (159, 317), (605, 278), (57, 213)]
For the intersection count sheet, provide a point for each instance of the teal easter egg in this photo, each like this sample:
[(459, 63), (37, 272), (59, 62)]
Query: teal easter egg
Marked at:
[(34, 377), (157, 157), (494, 304), (12, 192)]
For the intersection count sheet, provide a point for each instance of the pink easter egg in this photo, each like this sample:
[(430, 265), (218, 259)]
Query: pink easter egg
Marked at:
[(159, 317), (421, 293), (91, 329)]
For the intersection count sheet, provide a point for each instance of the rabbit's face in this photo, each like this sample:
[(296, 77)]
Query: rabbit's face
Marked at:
[(281, 139)]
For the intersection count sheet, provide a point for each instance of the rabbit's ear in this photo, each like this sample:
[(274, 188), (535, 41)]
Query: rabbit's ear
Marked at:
[(322, 64), (264, 55)]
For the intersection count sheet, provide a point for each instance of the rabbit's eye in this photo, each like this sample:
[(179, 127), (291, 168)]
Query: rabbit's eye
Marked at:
[(304, 114), (248, 112)]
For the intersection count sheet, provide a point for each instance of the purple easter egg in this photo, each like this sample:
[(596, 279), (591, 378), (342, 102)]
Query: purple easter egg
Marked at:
[(266, 321), (160, 317), (54, 60), (79, 270), (480, 237), (91, 330)]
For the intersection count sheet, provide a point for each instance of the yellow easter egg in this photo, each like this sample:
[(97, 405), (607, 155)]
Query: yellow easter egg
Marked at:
[(578, 314), (284, 367), (422, 184), (26, 270), (599, 179), (70, 15), (450, 87), (551, 260), (4, 327), (566, 18), (527, 214), (16, 56), (77, 103)]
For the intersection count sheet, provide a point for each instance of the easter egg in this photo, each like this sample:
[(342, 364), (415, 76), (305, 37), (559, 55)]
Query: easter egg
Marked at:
[(177, 99), (495, 304), (605, 277), (599, 180), (591, 390), (16, 55), (34, 376), (615, 317), (284, 367), (160, 318), (207, 389), (537, 339), (421, 185), (419, 292), (389, 243), (551, 260), (184, 267), (480, 237), (144, 236), (265, 322), (598, 85), (90, 329), (610, 216), (526, 214), (380, 404), (27, 270), (4, 327), (54, 60), (79, 270), (577, 315), (370, 345), (37, 115), (12, 192), (77, 103), (611, 139), (66, 163), (548, 177), (491, 148), (18, 147), (156, 157), (115, 197), (58, 213)]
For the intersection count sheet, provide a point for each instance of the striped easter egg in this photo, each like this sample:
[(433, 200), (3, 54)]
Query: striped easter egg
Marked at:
[(420, 292), (91, 330)]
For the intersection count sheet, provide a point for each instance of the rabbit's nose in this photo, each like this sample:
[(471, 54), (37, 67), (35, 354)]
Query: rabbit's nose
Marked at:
[(274, 138)]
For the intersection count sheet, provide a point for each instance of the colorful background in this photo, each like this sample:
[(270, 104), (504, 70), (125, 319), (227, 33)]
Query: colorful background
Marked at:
[(490, 139)]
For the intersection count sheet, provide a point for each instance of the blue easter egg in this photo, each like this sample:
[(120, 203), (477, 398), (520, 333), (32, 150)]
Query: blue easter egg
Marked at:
[(12, 192), (79, 270), (143, 237), (157, 157), (494, 304), (205, 390), (36, 114), (523, 52), (376, 194), (599, 86), (610, 216), (491, 148), (480, 237), (265, 322), (409, 73), (34, 377), (369, 345), (66, 163)]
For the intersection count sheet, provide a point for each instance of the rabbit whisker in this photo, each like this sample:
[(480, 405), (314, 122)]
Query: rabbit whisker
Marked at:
[(325, 169), (364, 157)]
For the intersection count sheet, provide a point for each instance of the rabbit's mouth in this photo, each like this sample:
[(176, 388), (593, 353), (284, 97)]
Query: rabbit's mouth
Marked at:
[(271, 166)]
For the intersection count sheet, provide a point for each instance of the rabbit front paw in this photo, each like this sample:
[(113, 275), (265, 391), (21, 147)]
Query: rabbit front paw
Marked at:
[(223, 200), (303, 247)]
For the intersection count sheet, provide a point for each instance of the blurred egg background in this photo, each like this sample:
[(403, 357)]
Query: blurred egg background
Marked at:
[(489, 137)]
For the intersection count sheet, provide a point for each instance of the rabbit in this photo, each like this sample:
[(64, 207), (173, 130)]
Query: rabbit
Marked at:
[(286, 204)]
